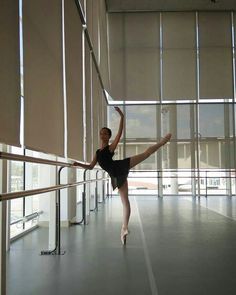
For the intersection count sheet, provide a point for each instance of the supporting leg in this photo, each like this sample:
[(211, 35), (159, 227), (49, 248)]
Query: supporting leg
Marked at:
[(126, 211), (135, 160), (126, 204)]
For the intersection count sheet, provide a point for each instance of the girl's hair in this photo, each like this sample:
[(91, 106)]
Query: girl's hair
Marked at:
[(108, 130)]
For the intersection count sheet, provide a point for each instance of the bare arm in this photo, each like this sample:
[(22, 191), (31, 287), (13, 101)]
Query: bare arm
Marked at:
[(87, 166), (119, 133)]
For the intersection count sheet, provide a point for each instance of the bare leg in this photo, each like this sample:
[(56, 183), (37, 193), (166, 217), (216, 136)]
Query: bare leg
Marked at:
[(135, 160), (126, 211), (126, 205)]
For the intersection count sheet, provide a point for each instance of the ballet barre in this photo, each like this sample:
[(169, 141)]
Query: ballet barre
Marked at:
[(57, 188)]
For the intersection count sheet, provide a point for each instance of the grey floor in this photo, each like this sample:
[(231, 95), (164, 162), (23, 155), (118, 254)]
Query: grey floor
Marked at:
[(176, 246)]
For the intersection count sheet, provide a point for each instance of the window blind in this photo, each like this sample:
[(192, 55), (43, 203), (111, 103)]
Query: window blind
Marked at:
[(216, 72), (179, 56), (74, 81), (9, 73), (43, 80)]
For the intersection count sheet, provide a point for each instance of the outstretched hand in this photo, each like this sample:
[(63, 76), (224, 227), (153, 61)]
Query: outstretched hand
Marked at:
[(119, 111)]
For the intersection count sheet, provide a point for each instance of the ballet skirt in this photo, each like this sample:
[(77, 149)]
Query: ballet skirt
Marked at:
[(118, 170)]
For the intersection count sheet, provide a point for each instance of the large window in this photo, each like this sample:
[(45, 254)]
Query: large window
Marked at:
[(141, 132), (23, 176), (16, 184), (113, 124), (141, 122), (211, 120), (202, 139)]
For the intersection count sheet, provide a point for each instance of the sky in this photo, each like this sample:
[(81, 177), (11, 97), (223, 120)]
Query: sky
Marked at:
[(141, 121)]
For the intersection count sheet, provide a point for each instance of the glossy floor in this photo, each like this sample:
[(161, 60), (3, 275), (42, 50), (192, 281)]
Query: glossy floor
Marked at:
[(176, 246)]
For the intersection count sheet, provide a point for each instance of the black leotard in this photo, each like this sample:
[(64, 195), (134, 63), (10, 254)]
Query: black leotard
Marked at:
[(118, 170)]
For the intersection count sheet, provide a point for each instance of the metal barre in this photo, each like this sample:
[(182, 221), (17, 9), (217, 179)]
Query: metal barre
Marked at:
[(27, 217), (57, 250), (179, 177), (16, 195), (15, 157), (185, 170)]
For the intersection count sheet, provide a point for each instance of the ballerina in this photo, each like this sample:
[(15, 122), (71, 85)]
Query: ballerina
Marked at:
[(118, 170)]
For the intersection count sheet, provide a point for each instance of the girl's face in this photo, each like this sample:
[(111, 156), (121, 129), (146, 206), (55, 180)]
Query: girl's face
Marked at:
[(104, 135)]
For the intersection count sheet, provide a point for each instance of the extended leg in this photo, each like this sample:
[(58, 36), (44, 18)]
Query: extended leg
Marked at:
[(135, 160)]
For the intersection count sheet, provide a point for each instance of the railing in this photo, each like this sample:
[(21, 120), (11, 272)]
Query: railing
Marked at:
[(20, 194), (193, 174), (9, 196), (22, 158), (27, 218)]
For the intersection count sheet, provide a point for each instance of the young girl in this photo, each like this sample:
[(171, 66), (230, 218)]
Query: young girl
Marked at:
[(118, 170)]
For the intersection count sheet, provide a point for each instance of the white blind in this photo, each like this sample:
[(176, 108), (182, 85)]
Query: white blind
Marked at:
[(92, 21), (104, 45), (88, 98), (179, 56), (9, 73), (43, 82), (93, 25), (96, 111), (134, 42), (216, 72), (101, 107), (116, 55), (234, 21), (74, 81), (104, 121)]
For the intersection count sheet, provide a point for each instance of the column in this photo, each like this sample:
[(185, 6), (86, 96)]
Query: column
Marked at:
[(173, 154), (3, 227)]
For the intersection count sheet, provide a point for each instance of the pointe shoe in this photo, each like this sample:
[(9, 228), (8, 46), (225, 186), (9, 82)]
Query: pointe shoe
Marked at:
[(166, 138), (123, 235)]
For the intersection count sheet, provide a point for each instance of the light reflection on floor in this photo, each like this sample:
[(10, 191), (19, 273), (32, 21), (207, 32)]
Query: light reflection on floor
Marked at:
[(223, 205)]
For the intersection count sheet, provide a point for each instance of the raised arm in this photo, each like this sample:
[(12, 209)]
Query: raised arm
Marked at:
[(119, 133), (87, 166)]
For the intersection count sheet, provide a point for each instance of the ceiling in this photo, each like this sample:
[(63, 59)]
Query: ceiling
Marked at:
[(169, 5)]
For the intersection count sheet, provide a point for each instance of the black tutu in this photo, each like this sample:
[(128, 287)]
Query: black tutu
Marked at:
[(118, 170)]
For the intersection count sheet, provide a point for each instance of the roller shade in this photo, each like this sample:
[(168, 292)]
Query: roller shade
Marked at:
[(92, 21), (101, 108), (95, 108), (43, 81), (216, 62), (142, 74), (104, 70), (88, 98), (142, 56), (134, 56), (179, 74), (74, 81), (179, 56), (216, 79), (104, 122), (234, 21), (105, 113), (116, 55), (9, 73)]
